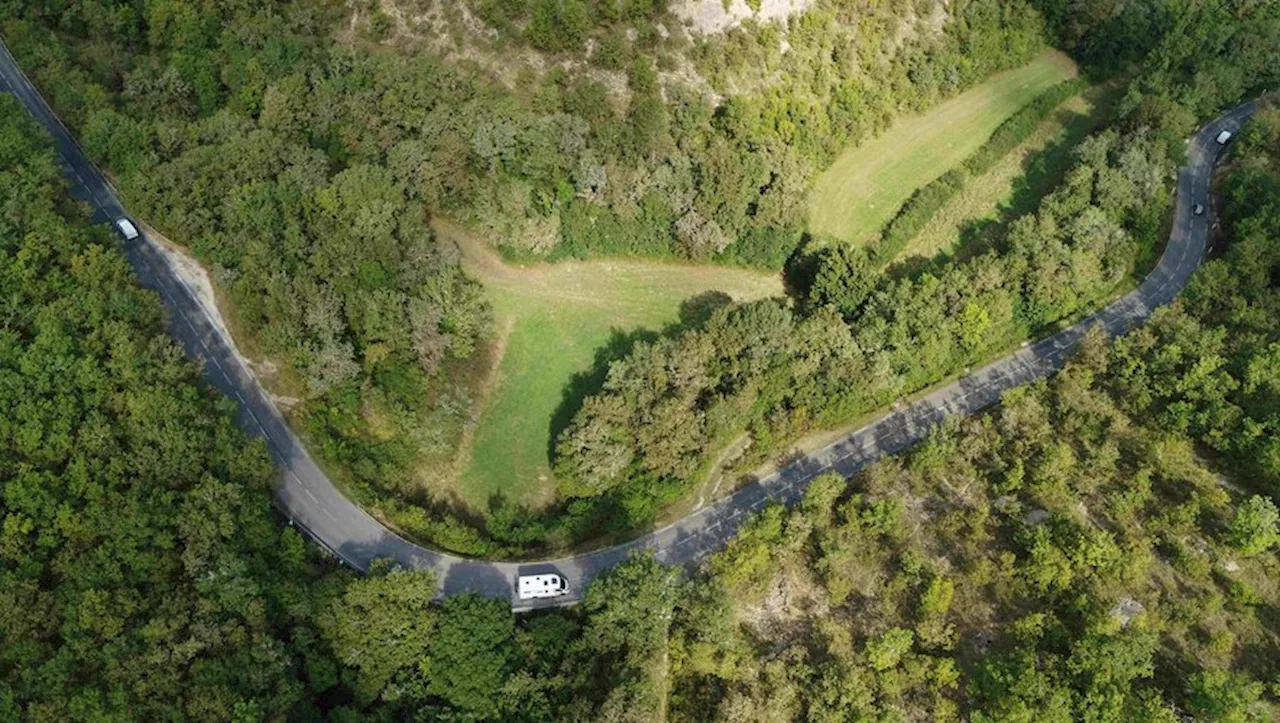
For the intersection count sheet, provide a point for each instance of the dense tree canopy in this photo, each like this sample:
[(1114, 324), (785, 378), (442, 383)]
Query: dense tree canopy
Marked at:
[(1101, 546), (142, 575), (299, 148), (1068, 556), (775, 372), (765, 369), (300, 161)]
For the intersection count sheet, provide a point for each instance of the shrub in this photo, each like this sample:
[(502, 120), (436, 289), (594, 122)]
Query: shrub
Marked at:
[(1018, 127), (1256, 527), (917, 211)]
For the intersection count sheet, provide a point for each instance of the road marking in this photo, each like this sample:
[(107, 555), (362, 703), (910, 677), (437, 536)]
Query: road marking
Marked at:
[(1134, 298), (914, 422)]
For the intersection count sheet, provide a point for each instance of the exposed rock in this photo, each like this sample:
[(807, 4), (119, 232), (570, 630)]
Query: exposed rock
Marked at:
[(1126, 610), (982, 641), (705, 17), (1036, 516)]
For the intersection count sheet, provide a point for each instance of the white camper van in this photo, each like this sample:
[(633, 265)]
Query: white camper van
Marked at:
[(533, 587), (1223, 137)]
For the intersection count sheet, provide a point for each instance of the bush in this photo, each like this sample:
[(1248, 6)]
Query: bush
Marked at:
[(558, 25), (1256, 527), (613, 52), (927, 201), (845, 278), (1018, 127), (917, 212)]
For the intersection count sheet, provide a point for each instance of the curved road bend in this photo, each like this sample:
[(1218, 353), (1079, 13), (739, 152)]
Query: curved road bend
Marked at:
[(313, 503)]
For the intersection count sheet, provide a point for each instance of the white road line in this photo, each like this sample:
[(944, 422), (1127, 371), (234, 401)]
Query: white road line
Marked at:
[(912, 422)]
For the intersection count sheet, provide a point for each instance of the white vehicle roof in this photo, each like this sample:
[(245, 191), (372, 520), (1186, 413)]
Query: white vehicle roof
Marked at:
[(127, 228), (530, 587), (1224, 136)]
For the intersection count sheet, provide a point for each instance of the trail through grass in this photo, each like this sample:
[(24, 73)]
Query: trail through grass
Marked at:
[(865, 186), (553, 321), (1015, 185)]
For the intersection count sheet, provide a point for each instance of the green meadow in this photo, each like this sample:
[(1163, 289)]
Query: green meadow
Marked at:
[(553, 321), (865, 186)]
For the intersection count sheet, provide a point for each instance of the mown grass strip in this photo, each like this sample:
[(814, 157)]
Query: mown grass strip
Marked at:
[(1014, 185), (917, 211), (860, 191)]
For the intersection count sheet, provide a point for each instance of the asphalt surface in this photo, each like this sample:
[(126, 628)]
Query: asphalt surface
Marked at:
[(311, 501)]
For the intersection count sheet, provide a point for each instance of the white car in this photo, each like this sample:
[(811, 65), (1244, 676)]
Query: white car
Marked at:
[(533, 587), (1198, 210), (127, 229), (1223, 137)]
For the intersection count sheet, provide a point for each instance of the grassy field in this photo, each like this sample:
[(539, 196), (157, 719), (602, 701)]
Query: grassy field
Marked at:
[(1016, 184), (552, 322), (865, 186)]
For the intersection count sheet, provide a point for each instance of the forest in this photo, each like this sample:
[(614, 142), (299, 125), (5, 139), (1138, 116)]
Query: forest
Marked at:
[(1102, 546), (301, 168), (143, 572), (865, 336)]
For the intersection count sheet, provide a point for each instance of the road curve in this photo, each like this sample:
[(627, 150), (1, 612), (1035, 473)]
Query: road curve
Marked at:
[(310, 499)]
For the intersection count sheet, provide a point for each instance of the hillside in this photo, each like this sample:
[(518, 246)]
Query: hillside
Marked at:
[(1100, 545), (298, 151)]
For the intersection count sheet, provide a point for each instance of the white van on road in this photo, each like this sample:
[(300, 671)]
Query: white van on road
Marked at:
[(127, 229), (1223, 137), (533, 587)]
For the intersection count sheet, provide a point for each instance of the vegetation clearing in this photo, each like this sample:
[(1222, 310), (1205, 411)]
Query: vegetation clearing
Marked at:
[(865, 186)]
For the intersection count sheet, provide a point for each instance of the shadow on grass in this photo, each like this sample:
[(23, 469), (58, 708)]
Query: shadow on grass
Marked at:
[(694, 312), (567, 523)]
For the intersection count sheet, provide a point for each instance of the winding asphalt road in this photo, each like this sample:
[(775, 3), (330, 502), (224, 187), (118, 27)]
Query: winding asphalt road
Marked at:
[(312, 502)]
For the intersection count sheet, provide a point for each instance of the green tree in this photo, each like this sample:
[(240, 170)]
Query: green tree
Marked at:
[(1256, 527), (382, 626), (629, 610), (1222, 695), (472, 652), (887, 650), (845, 278)]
